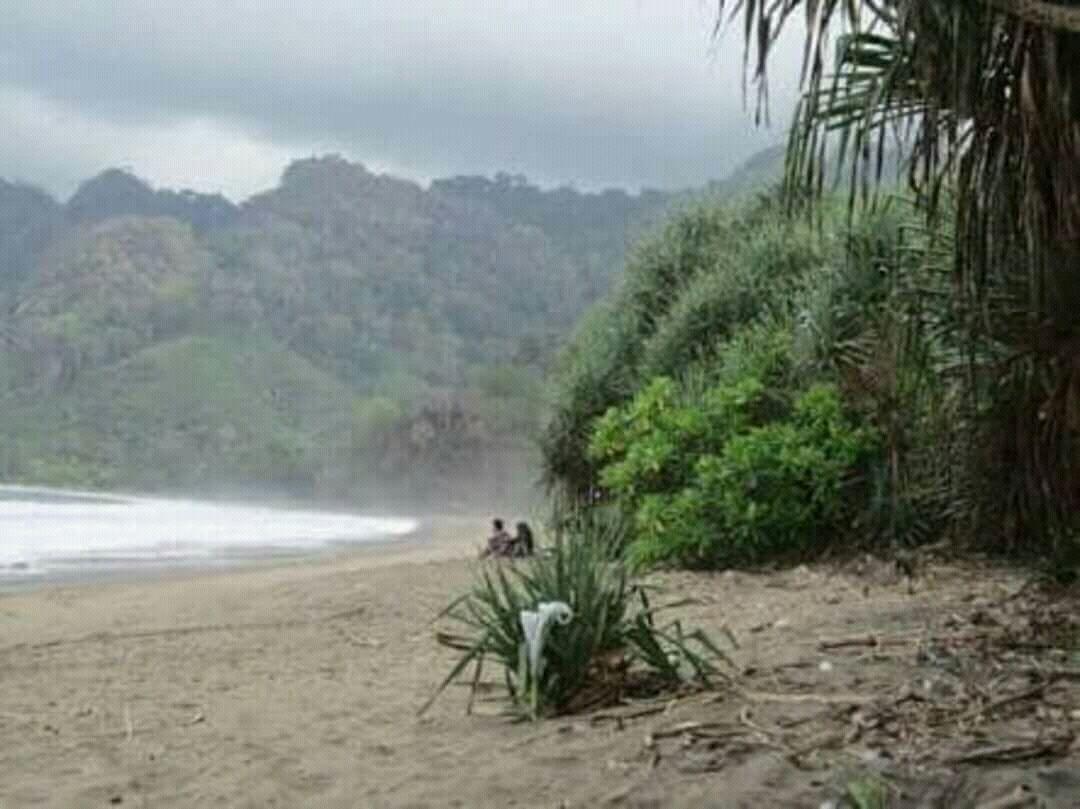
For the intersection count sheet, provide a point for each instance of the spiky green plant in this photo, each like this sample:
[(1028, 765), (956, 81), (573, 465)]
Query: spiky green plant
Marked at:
[(614, 643), (987, 95)]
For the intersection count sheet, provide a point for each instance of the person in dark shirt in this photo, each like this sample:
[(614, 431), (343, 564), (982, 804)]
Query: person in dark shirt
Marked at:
[(523, 543)]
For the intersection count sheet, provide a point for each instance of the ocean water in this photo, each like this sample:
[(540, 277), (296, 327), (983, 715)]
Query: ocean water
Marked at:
[(47, 532)]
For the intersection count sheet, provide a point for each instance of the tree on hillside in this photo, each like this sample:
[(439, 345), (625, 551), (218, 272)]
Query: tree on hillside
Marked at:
[(987, 95)]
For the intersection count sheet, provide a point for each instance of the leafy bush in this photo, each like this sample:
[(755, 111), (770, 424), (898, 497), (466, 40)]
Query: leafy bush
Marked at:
[(761, 350), (752, 275), (711, 272), (862, 304), (717, 482), (661, 267), (613, 644), (644, 445)]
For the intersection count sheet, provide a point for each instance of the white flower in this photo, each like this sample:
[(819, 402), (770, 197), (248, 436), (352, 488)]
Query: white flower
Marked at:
[(535, 624)]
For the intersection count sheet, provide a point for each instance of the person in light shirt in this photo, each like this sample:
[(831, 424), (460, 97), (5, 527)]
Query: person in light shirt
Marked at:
[(499, 543)]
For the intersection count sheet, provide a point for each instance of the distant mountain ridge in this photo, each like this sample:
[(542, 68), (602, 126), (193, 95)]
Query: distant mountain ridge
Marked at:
[(116, 192), (381, 293), (29, 220)]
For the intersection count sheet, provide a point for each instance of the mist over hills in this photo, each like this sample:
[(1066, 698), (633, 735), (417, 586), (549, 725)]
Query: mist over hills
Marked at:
[(342, 328)]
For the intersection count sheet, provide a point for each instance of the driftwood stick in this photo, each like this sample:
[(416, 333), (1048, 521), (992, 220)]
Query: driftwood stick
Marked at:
[(625, 715), (1009, 751), (817, 699), (872, 641), (1002, 702)]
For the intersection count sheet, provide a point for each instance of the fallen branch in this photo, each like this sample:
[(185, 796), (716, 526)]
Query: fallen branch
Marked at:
[(683, 729), (1053, 675), (817, 699), (846, 643), (1018, 799), (1005, 701), (625, 715), (778, 742), (1012, 751), (873, 641)]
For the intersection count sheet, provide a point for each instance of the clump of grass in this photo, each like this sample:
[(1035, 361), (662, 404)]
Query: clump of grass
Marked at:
[(613, 646), (868, 793)]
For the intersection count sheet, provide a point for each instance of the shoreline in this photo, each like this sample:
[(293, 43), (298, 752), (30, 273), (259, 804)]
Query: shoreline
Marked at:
[(426, 542), (181, 537)]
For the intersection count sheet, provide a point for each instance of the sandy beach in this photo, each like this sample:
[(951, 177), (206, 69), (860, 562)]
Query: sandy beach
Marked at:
[(297, 685)]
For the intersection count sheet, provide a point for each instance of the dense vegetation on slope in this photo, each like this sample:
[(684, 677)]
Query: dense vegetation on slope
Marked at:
[(762, 385), (909, 376), (342, 329), (990, 131)]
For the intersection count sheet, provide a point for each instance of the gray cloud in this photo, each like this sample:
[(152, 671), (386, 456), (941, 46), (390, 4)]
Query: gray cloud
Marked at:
[(629, 92)]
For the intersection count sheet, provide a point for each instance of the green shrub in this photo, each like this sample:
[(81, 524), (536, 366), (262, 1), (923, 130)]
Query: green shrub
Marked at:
[(716, 482), (613, 644), (761, 350), (660, 268), (710, 273), (860, 303), (750, 275), (644, 446)]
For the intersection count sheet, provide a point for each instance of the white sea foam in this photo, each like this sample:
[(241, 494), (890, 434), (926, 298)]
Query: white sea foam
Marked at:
[(43, 530)]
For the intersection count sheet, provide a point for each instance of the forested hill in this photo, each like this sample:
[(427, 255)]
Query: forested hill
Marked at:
[(161, 338)]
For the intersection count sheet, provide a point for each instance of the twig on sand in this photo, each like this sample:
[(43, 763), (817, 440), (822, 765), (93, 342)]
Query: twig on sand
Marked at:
[(777, 740), (1010, 751), (746, 718), (535, 737), (623, 716), (1052, 674), (873, 641), (638, 708), (857, 641), (710, 730), (1017, 799), (1002, 702), (818, 699), (774, 739), (167, 632)]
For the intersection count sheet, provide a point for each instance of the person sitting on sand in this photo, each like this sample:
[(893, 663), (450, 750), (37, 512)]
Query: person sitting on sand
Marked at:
[(499, 543), (522, 543)]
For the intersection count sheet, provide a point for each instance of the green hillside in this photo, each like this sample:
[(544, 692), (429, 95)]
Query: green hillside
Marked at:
[(188, 412), (343, 333)]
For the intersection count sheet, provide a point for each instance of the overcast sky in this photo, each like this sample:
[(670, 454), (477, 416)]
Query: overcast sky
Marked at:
[(218, 95)]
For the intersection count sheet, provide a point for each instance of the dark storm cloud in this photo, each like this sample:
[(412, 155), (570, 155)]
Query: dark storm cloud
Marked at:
[(625, 93)]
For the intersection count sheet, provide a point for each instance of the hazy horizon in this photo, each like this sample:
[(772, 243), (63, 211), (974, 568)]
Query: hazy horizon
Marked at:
[(219, 99), (423, 183)]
